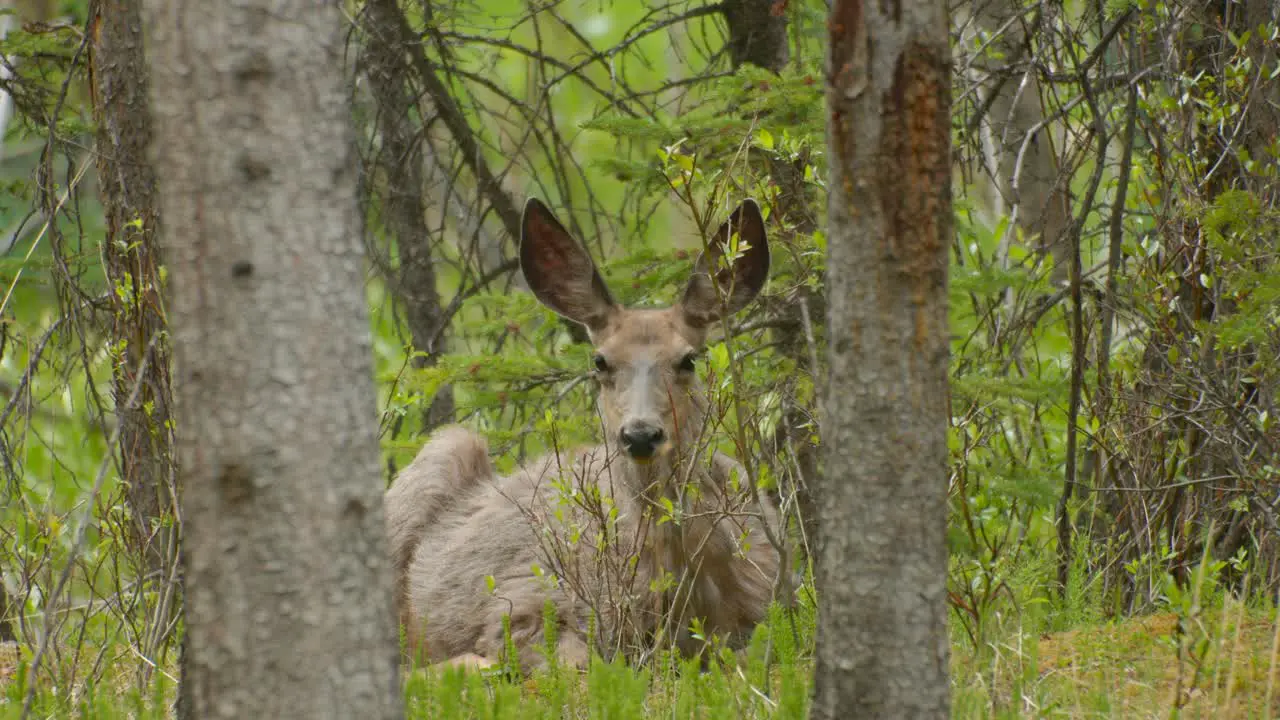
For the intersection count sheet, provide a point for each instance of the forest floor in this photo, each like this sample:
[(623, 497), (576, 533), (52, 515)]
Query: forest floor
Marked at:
[(1218, 664), (1215, 663)]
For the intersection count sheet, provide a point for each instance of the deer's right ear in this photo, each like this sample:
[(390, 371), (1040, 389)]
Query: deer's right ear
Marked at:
[(559, 270), (738, 283)]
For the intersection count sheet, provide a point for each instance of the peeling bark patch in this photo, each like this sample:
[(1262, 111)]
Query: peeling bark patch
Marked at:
[(846, 74), (848, 56), (914, 163)]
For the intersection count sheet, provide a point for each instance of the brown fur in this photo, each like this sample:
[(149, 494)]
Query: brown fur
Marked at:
[(590, 530)]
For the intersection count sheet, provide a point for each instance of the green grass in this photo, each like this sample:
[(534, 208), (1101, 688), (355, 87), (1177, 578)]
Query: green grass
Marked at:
[(1216, 661)]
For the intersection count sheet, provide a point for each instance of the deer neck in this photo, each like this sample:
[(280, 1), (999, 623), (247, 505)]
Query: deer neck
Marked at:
[(670, 495)]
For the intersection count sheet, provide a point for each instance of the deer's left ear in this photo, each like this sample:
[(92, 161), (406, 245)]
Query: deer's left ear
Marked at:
[(722, 285)]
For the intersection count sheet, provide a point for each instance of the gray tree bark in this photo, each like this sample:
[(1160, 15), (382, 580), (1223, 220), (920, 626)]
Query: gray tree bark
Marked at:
[(289, 604), (882, 621)]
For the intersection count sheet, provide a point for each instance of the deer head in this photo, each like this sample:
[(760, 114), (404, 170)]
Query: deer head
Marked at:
[(645, 359)]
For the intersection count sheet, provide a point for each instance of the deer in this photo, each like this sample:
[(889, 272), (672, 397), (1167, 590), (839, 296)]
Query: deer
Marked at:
[(648, 538)]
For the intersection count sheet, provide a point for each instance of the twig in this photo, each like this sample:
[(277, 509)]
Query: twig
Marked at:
[(86, 517), (1078, 359)]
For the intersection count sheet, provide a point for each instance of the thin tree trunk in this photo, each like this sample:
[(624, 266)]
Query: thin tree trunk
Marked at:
[(1030, 179), (131, 255), (1263, 120), (288, 594), (757, 32), (758, 36), (1098, 463), (6, 624), (882, 624), (400, 159)]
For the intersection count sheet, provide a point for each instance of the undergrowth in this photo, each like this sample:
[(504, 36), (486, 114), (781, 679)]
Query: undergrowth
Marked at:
[(1207, 652)]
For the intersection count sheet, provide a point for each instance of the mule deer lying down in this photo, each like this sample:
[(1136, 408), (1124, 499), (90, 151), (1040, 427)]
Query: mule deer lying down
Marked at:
[(648, 538)]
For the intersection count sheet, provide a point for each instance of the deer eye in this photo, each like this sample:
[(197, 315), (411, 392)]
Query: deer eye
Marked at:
[(688, 363), (600, 363)]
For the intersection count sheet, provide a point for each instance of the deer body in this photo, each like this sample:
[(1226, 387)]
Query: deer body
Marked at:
[(635, 539)]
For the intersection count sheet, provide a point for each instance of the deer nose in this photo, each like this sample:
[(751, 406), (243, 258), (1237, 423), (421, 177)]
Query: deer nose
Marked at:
[(641, 439)]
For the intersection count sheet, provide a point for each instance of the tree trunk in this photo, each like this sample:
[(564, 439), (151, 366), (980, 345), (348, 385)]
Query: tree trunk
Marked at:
[(131, 256), (1197, 392), (882, 626), (399, 157), (6, 624), (758, 36), (1030, 175), (289, 605), (757, 32)]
